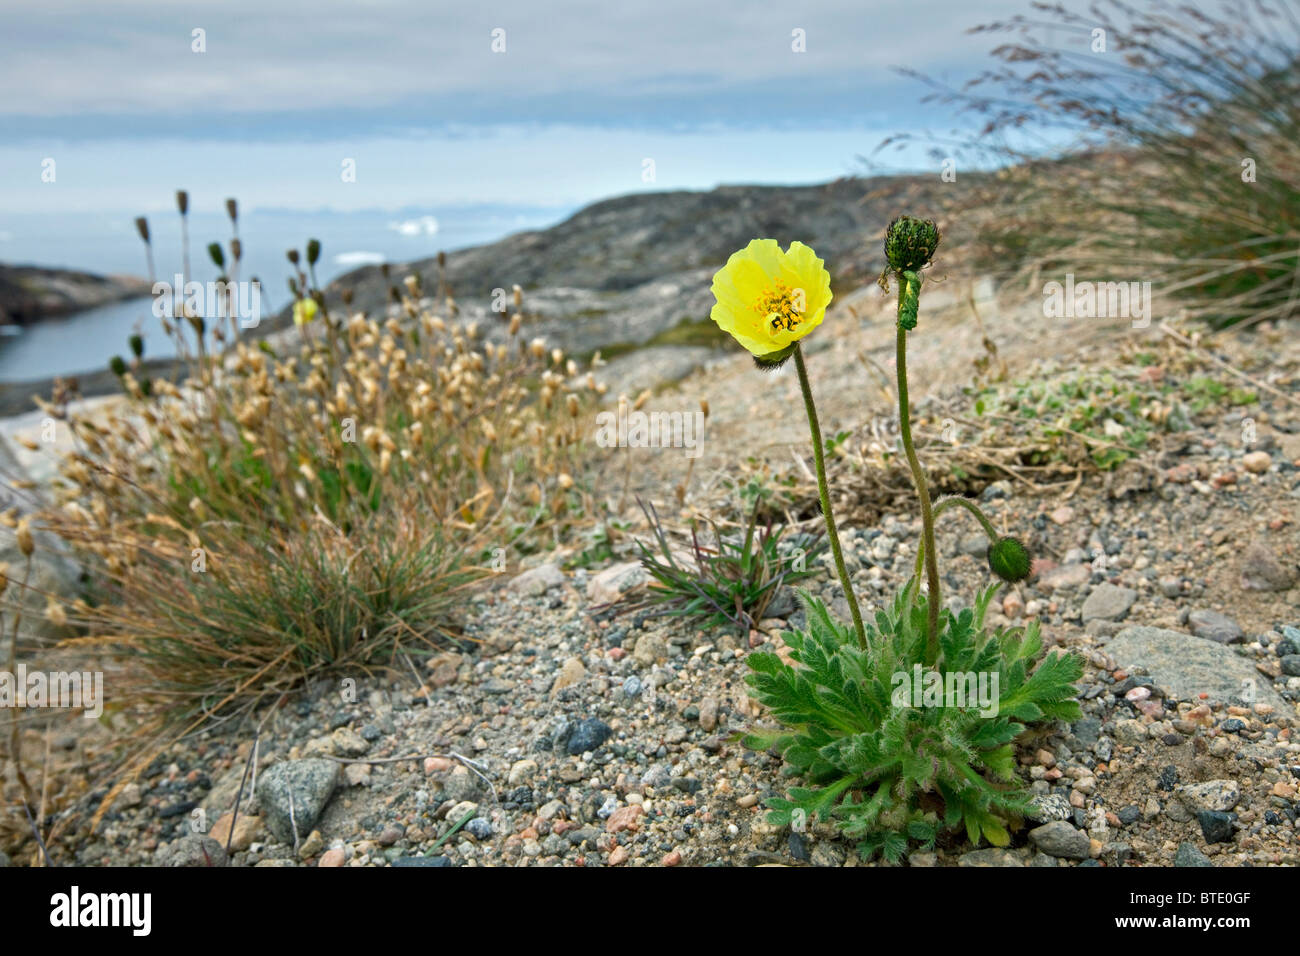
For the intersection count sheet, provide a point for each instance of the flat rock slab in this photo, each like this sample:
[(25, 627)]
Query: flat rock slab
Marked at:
[(1188, 666)]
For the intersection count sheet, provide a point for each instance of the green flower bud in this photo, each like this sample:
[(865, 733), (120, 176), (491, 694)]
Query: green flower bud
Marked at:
[(137, 345), (910, 243), (313, 251), (1009, 559), (218, 257), (293, 256), (118, 365)]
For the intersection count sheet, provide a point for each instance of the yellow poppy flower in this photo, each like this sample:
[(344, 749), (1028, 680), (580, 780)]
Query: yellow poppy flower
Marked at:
[(769, 298), (304, 310)]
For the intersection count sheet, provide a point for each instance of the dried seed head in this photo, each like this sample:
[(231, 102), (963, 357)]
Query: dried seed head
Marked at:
[(54, 613), (24, 535)]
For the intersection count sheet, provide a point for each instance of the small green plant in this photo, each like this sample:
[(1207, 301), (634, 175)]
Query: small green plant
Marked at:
[(889, 772), (733, 580), (902, 727)]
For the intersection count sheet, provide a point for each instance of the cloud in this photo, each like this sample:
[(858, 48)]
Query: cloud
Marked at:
[(353, 259), (421, 226), (336, 67)]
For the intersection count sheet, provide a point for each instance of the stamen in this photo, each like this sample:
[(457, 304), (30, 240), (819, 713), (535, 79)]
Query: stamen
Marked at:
[(778, 306)]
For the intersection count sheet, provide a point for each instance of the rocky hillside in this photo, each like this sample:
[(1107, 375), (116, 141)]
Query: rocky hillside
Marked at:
[(30, 293), (626, 270)]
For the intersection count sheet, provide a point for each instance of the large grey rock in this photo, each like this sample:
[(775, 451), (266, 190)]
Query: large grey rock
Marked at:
[(196, 849), (1108, 602), (1187, 666), (311, 783), (1061, 839)]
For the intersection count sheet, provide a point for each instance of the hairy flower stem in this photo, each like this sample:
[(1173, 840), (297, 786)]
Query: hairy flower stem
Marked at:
[(942, 505), (945, 503), (922, 491), (831, 533)]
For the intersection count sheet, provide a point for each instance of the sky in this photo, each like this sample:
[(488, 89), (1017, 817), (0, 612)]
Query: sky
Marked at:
[(413, 114), (467, 102)]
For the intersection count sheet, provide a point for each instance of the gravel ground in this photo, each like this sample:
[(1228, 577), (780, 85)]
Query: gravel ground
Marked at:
[(561, 734), (571, 736)]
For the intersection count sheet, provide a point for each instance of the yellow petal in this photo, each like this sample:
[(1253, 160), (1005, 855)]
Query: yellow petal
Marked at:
[(751, 275)]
